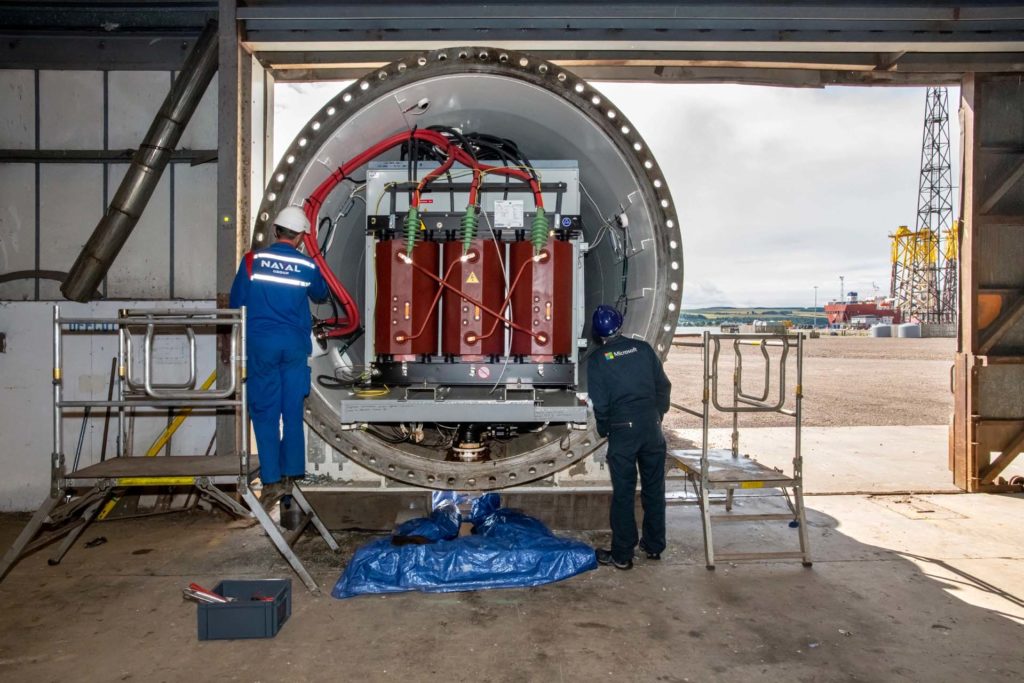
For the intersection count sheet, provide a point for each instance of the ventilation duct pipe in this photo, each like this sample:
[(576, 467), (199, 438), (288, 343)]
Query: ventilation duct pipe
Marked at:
[(147, 166)]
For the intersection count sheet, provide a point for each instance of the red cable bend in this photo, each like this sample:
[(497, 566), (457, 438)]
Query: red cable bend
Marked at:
[(350, 322)]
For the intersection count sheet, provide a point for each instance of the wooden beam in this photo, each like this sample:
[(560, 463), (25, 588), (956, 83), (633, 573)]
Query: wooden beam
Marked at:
[(1011, 179), (1010, 452), (228, 219), (999, 220)]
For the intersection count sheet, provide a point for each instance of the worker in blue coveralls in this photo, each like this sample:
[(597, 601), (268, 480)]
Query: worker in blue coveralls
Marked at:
[(276, 285), (630, 394)]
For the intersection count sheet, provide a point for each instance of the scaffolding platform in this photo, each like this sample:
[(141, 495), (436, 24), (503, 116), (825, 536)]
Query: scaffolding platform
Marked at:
[(727, 469), (220, 469), (78, 496)]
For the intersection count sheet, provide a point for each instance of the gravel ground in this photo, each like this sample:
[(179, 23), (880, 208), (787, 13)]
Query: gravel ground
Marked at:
[(848, 381)]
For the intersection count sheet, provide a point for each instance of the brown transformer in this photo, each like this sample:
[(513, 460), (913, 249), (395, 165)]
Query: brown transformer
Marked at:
[(467, 330), (406, 313), (542, 300)]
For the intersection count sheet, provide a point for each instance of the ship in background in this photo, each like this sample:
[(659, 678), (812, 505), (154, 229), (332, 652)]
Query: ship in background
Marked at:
[(861, 314)]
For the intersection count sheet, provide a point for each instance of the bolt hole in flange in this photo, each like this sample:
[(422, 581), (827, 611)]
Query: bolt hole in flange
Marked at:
[(554, 118)]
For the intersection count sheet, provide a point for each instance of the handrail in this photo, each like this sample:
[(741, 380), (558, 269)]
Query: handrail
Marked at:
[(156, 392), (752, 406), (739, 372), (135, 385)]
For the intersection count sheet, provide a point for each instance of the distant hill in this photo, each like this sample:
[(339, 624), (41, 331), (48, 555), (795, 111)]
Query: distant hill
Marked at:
[(800, 315)]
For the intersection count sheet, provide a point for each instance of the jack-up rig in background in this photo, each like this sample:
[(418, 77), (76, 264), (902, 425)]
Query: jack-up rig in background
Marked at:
[(925, 260)]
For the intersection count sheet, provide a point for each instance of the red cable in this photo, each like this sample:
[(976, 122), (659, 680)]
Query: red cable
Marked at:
[(474, 186), (440, 170), (350, 322)]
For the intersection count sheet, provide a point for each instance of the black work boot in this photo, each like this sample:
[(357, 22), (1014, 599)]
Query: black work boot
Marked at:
[(605, 557), (271, 494), (650, 555)]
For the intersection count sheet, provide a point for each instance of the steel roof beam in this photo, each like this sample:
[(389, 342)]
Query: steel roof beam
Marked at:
[(110, 18)]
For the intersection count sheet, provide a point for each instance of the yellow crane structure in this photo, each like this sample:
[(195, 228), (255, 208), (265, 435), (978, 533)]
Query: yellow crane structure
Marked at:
[(951, 267), (924, 260), (915, 273)]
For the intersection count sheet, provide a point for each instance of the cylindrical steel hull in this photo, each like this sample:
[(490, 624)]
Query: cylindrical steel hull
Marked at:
[(551, 114)]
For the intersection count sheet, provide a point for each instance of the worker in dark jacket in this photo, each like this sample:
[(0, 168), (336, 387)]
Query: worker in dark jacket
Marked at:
[(276, 284), (630, 394)]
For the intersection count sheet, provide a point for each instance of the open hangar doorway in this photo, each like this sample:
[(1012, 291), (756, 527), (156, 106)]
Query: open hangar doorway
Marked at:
[(780, 189), (976, 49), (913, 404)]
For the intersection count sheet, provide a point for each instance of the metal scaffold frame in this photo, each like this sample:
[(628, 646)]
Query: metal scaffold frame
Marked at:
[(77, 495), (717, 469)]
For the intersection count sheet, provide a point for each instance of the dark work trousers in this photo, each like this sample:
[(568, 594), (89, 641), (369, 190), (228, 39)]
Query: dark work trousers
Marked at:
[(631, 447), (278, 384)]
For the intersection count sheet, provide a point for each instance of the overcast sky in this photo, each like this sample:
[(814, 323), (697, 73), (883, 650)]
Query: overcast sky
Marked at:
[(777, 189)]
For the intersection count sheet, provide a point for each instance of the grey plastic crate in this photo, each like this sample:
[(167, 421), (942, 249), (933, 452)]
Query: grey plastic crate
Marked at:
[(246, 617)]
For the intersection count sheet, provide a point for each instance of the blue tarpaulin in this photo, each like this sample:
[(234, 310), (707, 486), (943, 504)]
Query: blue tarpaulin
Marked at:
[(508, 549)]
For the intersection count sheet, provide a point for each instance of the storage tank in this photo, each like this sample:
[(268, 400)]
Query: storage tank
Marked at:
[(443, 152), (881, 330), (909, 330)]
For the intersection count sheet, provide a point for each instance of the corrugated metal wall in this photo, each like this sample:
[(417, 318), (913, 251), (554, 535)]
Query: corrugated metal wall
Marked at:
[(26, 420), (48, 210)]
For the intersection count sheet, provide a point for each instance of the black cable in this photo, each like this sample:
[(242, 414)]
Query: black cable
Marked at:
[(329, 382), (58, 275), (462, 140), (327, 234), (384, 437), (499, 154)]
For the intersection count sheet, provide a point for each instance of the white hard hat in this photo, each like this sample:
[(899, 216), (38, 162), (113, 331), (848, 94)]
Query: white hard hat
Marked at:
[(293, 218)]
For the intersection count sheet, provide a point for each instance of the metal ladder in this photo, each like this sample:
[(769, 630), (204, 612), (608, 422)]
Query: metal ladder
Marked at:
[(77, 495), (727, 470)]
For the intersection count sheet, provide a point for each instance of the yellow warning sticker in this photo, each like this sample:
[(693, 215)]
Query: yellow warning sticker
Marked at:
[(751, 484), (472, 279)]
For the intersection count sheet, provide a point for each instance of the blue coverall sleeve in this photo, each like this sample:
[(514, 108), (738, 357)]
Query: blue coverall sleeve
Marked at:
[(240, 288), (318, 287), (599, 396), (662, 385)]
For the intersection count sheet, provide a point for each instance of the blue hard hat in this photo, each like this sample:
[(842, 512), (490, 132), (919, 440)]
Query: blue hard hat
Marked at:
[(606, 321)]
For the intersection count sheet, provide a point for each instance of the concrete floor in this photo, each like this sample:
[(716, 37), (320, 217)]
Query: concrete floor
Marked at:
[(850, 459), (903, 589)]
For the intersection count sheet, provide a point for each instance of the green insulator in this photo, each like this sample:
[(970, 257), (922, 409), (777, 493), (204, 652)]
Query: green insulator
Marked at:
[(539, 231), (469, 222), (412, 226)]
